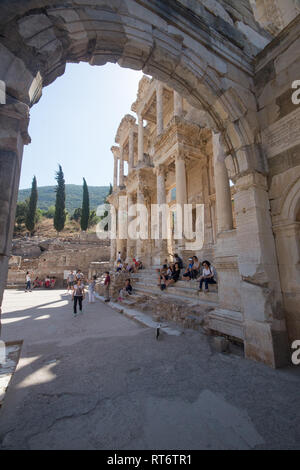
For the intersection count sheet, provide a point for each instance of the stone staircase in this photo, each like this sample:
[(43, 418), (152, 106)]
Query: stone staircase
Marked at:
[(181, 304), (146, 281)]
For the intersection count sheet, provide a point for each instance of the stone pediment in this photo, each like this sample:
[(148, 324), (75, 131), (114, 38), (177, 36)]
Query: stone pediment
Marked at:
[(127, 122)]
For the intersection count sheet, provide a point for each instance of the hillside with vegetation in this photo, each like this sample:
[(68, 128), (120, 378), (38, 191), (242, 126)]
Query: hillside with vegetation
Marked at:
[(41, 219), (46, 196)]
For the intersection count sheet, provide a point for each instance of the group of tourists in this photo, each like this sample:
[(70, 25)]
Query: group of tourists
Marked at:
[(170, 273), (132, 267), (76, 284), (48, 283)]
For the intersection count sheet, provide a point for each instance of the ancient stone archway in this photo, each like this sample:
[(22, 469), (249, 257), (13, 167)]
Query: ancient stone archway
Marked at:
[(205, 55), (287, 237)]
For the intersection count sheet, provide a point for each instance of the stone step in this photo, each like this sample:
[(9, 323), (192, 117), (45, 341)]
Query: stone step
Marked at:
[(191, 288), (201, 298)]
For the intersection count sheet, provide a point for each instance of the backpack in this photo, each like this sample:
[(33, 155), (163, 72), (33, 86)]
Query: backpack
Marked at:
[(214, 272)]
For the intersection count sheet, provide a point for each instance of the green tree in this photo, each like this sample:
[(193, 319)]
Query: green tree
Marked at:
[(50, 213), (85, 215), (94, 219), (60, 202), (21, 214), (77, 214), (31, 217)]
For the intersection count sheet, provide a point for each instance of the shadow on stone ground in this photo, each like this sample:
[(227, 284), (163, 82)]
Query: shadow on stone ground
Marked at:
[(101, 381)]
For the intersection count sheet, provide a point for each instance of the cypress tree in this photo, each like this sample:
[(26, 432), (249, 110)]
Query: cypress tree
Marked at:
[(31, 213), (60, 213), (85, 214)]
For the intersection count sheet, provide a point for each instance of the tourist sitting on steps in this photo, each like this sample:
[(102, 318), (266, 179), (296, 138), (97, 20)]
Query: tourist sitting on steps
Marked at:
[(178, 260), (37, 283), (126, 290), (119, 267), (187, 275), (47, 282), (196, 268), (175, 276), (162, 275), (208, 275)]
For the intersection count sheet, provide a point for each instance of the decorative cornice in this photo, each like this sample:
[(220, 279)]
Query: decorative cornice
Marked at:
[(127, 122)]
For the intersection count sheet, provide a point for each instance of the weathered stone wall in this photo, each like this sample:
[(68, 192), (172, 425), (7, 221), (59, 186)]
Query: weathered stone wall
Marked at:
[(277, 68), (59, 257), (274, 15)]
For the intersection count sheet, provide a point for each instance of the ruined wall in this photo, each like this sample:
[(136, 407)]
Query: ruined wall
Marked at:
[(59, 257)]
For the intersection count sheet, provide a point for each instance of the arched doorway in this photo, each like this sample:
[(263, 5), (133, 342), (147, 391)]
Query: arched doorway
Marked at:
[(208, 62), (287, 236)]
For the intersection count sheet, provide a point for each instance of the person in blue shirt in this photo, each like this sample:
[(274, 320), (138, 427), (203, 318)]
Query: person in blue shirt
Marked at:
[(187, 276)]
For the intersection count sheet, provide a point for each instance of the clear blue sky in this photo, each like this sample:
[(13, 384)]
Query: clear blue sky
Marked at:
[(75, 123)]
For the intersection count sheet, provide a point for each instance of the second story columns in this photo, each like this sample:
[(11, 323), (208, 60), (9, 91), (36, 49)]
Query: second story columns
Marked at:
[(140, 138), (121, 177), (181, 193), (115, 151), (159, 109), (131, 151)]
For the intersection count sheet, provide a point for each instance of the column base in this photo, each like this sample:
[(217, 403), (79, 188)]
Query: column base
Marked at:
[(265, 345)]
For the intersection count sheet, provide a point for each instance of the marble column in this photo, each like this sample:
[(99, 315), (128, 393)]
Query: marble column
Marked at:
[(178, 104), (130, 243), (121, 177), (159, 109), (113, 241), (115, 171), (140, 199), (131, 151), (161, 200), (223, 193), (14, 121), (181, 193), (140, 138)]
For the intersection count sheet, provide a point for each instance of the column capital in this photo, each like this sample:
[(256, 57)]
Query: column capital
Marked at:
[(116, 151), (159, 86), (181, 156), (17, 115), (160, 170)]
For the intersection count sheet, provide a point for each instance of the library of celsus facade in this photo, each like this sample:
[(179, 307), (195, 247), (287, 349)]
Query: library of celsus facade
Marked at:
[(220, 122)]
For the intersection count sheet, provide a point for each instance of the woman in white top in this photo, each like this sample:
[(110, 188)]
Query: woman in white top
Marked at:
[(28, 282), (208, 275)]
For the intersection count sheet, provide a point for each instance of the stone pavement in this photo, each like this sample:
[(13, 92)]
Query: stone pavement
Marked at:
[(102, 381)]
